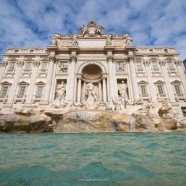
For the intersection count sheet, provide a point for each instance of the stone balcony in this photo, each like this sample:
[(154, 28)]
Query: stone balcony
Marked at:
[(19, 99), (4, 99), (25, 51), (145, 97), (37, 98), (179, 97)]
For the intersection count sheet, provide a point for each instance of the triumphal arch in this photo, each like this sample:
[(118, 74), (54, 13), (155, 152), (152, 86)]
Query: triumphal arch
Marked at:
[(92, 70)]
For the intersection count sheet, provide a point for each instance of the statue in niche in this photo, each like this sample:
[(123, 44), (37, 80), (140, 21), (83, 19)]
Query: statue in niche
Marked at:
[(123, 93), (123, 90), (109, 40), (74, 41), (90, 93), (60, 96), (127, 39), (61, 91)]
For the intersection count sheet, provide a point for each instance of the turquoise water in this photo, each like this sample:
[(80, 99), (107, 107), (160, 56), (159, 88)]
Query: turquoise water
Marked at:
[(93, 159)]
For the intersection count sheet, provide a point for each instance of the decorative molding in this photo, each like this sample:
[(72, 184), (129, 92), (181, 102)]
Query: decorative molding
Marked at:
[(80, 68)]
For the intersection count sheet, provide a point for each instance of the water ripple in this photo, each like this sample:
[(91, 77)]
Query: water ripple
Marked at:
[(93, 159)]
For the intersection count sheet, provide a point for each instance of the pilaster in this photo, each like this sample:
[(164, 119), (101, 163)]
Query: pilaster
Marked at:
[(49, 77)]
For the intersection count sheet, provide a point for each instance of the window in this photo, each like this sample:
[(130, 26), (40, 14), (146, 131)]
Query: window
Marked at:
[(27, 66), (178, 89), (155, 65), (143, 90), (4, 91), (21, 91), (170, 65), (160, 90), (11, 66), (139, 66), (39, 91), (43, 66)]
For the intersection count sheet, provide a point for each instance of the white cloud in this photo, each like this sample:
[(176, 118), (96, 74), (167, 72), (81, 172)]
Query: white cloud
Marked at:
[(30, 23)]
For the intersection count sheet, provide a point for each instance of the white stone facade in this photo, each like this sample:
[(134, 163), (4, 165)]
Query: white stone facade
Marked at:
[(31, 77)]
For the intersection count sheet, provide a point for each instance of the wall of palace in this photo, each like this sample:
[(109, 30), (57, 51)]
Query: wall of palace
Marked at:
[(91, 68)]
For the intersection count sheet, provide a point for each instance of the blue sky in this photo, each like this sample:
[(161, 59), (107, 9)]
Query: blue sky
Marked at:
[(30, 23)]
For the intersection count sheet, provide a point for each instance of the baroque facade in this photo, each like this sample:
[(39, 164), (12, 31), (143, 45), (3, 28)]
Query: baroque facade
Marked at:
[(92, 69)]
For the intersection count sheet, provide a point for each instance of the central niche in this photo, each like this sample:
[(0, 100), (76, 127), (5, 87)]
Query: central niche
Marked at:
[(92, 72)]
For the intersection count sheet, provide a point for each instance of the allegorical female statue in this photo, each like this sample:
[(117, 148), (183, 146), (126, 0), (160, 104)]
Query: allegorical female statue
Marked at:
[(123, 91), (90, 92)]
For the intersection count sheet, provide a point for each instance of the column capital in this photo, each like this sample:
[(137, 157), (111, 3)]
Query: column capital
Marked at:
[(4, 63), (73, 58), (78, 76), (146, 62), (162, 62), (36, 62), (20, 63), (110, 58), (52, 59)]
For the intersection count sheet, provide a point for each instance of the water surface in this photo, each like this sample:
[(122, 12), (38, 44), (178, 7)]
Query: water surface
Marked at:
[(93, 159)]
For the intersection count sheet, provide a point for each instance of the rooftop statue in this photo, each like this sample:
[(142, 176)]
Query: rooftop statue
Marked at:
[(92, 29), (55, 37)]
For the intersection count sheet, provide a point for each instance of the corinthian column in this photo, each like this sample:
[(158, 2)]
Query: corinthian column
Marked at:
[(71, 79), (17, 75), (79, 90), (110, 78), (100, 92), (2, 68), (133, 78), (104, 90), (49, 79)]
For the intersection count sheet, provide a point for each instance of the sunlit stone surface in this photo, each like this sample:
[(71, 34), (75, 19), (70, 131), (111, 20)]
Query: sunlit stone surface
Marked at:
[(93, 71)]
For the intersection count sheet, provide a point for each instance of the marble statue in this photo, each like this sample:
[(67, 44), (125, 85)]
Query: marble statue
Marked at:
[(123, 91), (127, 39), (90, 93), (84, 30), (74, 41), (60, 93), (55, 37), (109, 40)]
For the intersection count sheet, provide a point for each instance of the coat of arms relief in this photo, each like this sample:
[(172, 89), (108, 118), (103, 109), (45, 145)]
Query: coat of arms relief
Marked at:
[(92, 29)]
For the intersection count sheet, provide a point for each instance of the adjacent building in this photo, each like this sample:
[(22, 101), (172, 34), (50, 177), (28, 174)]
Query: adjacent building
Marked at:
[(32, 76)]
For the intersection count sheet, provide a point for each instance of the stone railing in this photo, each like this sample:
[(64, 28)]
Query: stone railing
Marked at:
[(26, 51), (156, 50), (19, 99), (180, 97), (3, 99)]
